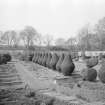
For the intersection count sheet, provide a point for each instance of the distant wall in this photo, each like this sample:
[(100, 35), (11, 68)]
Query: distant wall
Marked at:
[(92, 53)]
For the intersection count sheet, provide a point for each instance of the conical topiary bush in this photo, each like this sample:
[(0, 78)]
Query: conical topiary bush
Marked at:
[(34, 57), (37, 56), (43, 54), (89, 74), (33, 60), (67, 66), (101, 73), (92, 62), (48, 60), (54, 61), (58, 65), (45, 60), (40, 59)]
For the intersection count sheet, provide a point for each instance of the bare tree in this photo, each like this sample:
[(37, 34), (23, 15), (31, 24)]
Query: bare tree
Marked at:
[(13, 38), (60, 42), (28, 35), (9, 37), (100, 32), (48, 40), (83, 37), (1, 41), (71, 42), (5, 37), (16, 40)]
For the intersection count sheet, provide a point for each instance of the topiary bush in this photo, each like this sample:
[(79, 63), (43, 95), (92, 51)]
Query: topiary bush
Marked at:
[(8, 57), (4, 58), (89, 74), (45, 60), (34, 57), (92, 62), (43, 54), (101, 73), (67, 66), (54, 61), (48, 60), (58, 65), (39, 58)]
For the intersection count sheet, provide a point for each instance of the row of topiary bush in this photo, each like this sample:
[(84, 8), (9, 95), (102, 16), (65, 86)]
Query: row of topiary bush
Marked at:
[(62, 63), (4, 58)]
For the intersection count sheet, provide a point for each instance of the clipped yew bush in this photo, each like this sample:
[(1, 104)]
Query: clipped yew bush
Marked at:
[(34, 57), (48, 60), (101, 73), (4, 58), (67, 66), (42, 57), (54, 61), (58, 65), (8, 57), (45, 60), (92, 62), (39, 58), (89, 74)]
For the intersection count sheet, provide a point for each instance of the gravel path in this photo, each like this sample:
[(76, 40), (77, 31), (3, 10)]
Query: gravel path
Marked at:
[(30, 79)]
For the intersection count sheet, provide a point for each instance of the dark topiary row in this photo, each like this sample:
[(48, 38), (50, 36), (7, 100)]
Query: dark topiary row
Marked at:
[(4, 58), (61, 63)]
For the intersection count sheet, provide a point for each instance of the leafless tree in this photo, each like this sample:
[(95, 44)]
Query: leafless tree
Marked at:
[(71, 42), (60, 42), (83, 37), (9, 37), (28, 35), (48, 40), (100, 32)]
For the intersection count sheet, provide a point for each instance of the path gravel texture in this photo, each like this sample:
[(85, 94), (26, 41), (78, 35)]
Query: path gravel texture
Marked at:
[(30, 79)]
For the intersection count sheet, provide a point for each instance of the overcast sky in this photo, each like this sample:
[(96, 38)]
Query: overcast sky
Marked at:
[(60, 18)]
